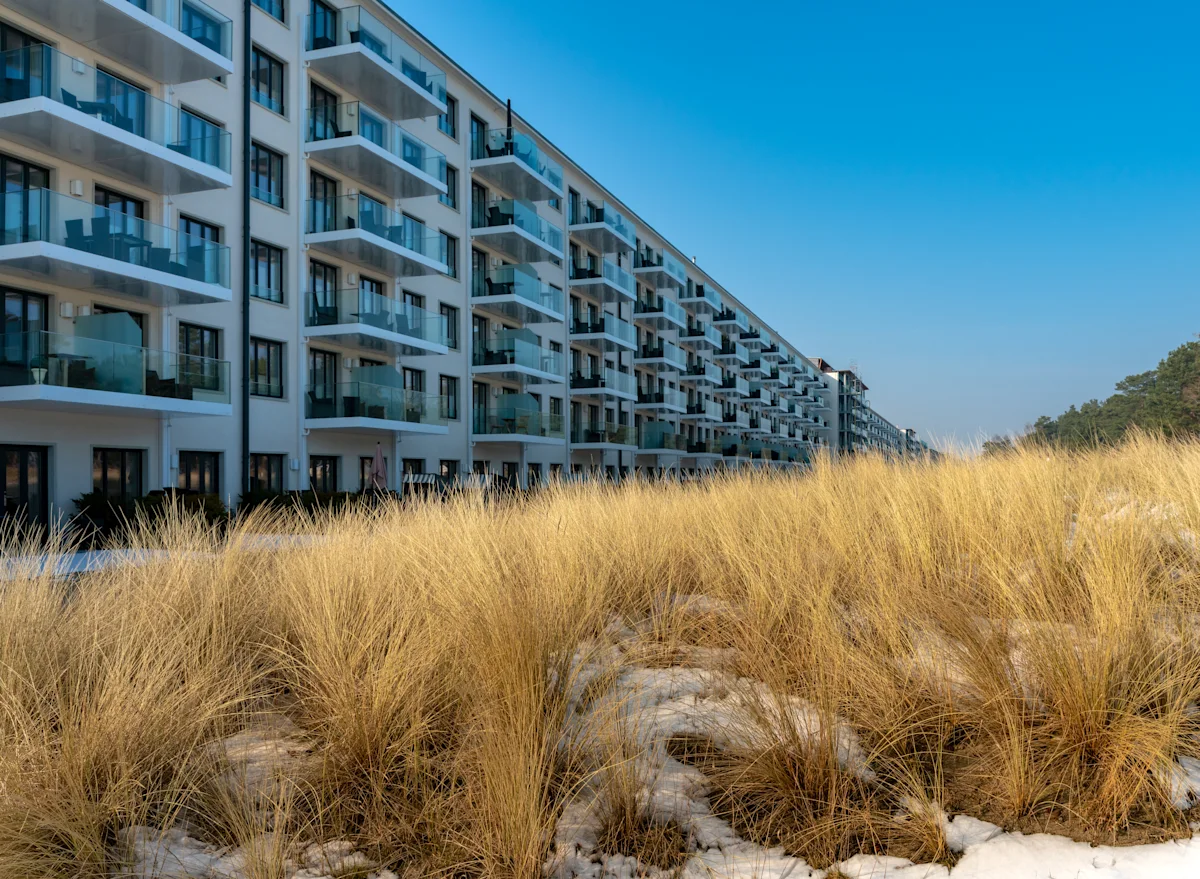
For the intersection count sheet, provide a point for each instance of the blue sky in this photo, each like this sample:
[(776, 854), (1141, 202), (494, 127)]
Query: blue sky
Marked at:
[(993, 209)]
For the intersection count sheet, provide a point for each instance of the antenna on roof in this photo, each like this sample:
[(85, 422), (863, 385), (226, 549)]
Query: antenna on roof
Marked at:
[(509, 119), (693, 260)]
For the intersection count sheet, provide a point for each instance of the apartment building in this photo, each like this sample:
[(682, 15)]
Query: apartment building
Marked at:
[(225, 283)]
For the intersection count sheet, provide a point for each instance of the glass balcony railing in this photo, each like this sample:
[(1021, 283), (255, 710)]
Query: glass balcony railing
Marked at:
[(59, 360), (588, 213), (737, 419), (735, 383), (706, 408), (609, 271), (664, 350), (352, 25), (43, 215), (734, 349), (518, 420), (43, 72), (701, 331), (498, 142), (735, 317), (523, 215), (355, 118), (362, 212), (666, 397), (660, 436), (513, 351), (193, 19), (380, 402), (703, 447), (608, 324), (648, 257), (606, 432), (519, 281), (603, 379), (701, 293), (661, 305), (703, 369), (355, 306)]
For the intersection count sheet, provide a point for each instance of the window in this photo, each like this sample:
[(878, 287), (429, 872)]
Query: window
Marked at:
[(322, 113), (451, 245), (450, 313), (574, 212), (193, 231), (273, 8), (266, 80), (365, 462), (448, 389), (199, 348), (448, 121), (136, 316), (266, 474), (414, 380), (413, 466), (200, 472), (266, 368), (450, 199), (478, 138), (266, 272), (323, 473), (119, 203), (322, 375), (478, 206), (322, 202), (266, 175), (117, 473), (448, 469)]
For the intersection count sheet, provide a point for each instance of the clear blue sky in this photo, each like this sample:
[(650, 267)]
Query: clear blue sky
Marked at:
[(994, 209)]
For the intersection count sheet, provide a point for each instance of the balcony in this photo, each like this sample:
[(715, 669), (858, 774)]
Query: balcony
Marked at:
[(758, 396), (380, 154), (738, 420), (775, 406), (660, 313), (700, 299), (603, 382), (752, 338), (363, 406), (789, 364), (605, 435), (771, 353), (371, 322), (361, 230), (659, 437), (171, 41), (609, 283), (663, 357), (60, 107), (732, 320), (363, 56), (517, 354), (703, 373), (73, 243), (704, 448), (771, 378), (734, 386), (514, 229), (758, 425), (659, 268), (605, 331), (517, 293), (709, 411), (603, 228), (514, 164), (74, 373), (734, 449), (523, 424), (754, 369), (699, 337), (732, 353), (666, 400)]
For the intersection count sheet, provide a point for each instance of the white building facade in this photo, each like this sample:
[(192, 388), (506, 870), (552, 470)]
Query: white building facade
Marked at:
[(422, 273)]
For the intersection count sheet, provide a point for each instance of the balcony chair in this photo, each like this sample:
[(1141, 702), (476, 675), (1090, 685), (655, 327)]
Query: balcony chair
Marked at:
[(101, 241), (76, 240), (160, 259), (323, 42), (196, 263), (321, 407), (351, 407)]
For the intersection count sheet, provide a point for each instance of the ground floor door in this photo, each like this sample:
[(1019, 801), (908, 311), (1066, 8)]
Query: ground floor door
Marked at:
[(26, 489)]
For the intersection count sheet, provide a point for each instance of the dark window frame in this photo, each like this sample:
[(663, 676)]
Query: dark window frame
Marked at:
[(271, 387)]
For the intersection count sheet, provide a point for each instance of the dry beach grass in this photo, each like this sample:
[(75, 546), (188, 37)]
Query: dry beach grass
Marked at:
[(1014, 638)]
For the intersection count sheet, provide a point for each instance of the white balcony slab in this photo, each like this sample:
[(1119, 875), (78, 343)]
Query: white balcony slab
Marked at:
[(70, 135), (362, 73), (373, 166), (374, 252), (120, 30), (68, 267), (87, 401)]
